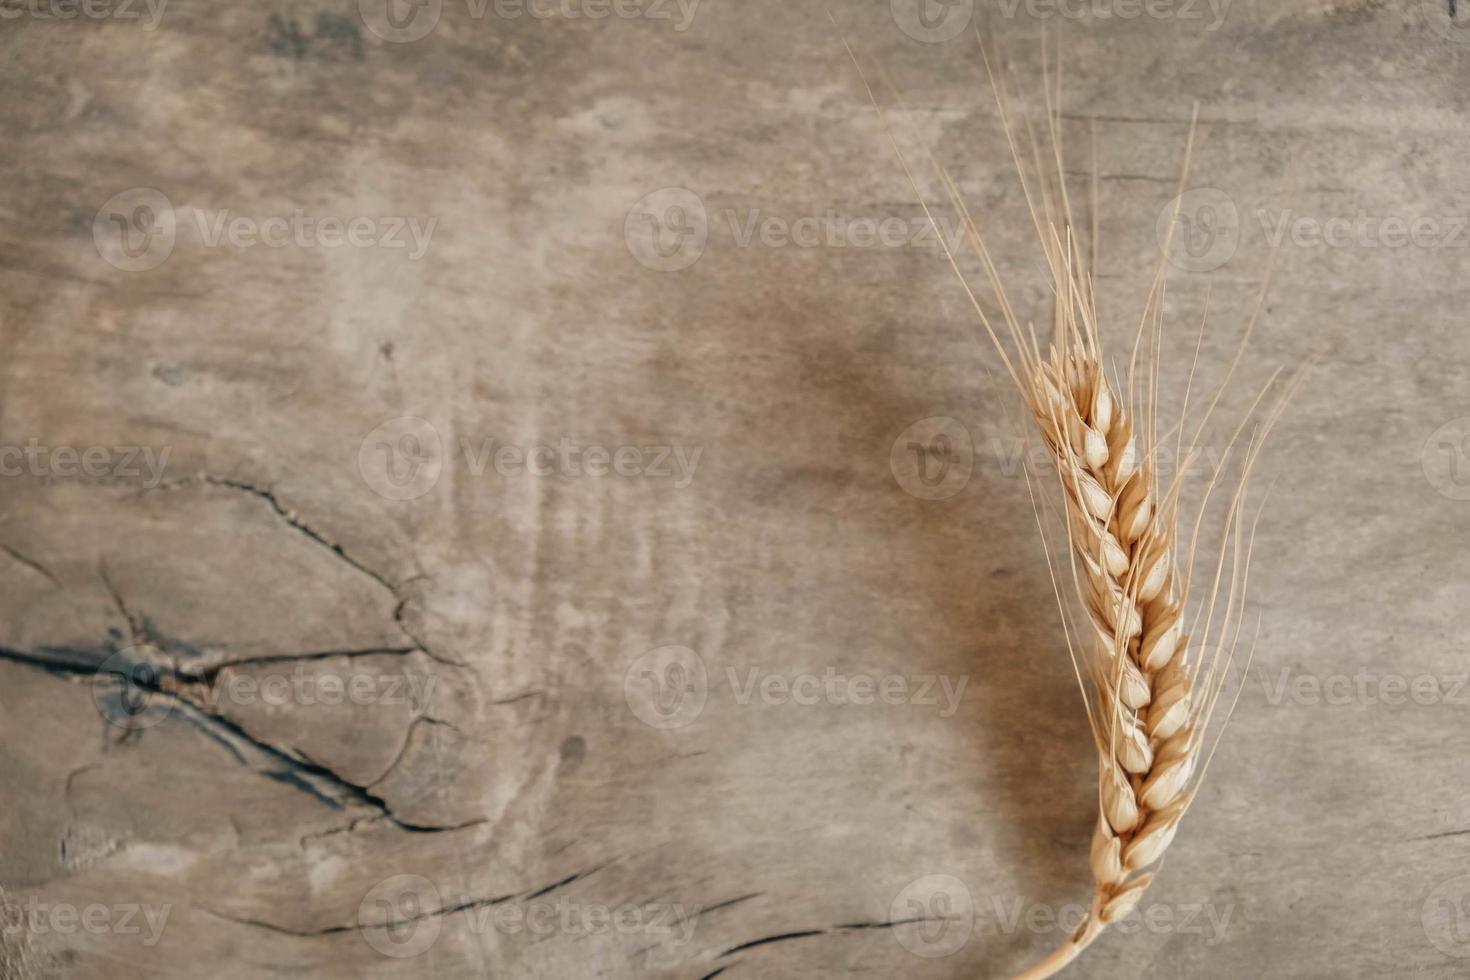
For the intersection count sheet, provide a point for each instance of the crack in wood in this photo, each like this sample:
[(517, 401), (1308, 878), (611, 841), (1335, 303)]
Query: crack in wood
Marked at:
[(299, 771)]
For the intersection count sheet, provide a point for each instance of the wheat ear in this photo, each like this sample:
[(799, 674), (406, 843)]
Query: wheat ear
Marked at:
[(1153, 690)]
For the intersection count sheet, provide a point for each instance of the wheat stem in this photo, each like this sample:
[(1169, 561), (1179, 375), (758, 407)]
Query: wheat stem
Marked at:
[(1068, 951)]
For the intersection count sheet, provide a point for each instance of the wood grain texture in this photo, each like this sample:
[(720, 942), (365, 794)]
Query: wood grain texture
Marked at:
[(609, 725)]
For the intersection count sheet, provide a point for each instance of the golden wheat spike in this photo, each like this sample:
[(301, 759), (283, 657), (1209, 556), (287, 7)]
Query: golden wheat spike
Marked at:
[(1153, 688)]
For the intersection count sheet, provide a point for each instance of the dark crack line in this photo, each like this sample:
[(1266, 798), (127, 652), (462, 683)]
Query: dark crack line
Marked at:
[(209, 670), (830, 931), (407, 741), (468, 904), (515, 698), (696, 914), (351, 827), (291, 518), (58, 668), (711, 976), (728, 903), (71, 777), (780, 938), (32, 564), (565, 881), (272, 927), (71, 805), (297, 767), (138, 635), (231, 748), (890, 924), (464, 906), (1442, 834), (1151, 178), (289, 778), (295, 520)]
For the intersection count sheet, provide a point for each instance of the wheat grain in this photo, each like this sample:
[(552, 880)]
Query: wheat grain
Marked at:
[(1153, 689)]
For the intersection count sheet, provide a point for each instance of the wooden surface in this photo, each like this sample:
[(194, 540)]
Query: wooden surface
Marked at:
[(744, 693)]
